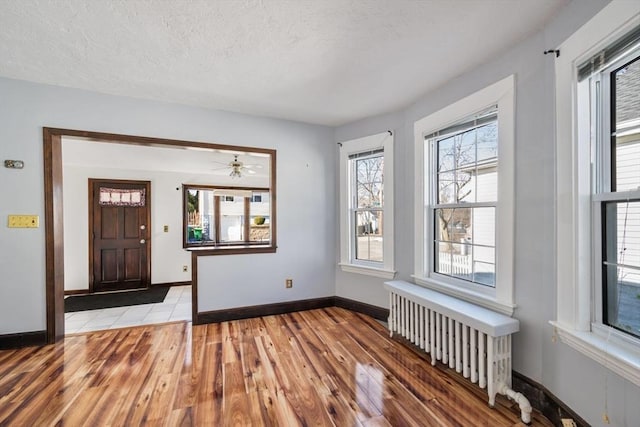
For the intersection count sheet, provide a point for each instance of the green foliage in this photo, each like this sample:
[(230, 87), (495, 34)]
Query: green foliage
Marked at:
[(192, 201), (259, 220)]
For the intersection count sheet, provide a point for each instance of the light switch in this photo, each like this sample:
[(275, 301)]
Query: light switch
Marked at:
[(24, 221)]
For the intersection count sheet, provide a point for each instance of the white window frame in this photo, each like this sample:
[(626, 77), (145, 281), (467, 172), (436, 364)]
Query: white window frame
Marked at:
[(501, 297), (578, 319), (348, 262)]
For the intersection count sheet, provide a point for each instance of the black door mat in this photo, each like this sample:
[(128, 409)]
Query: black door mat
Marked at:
[(154, 294)]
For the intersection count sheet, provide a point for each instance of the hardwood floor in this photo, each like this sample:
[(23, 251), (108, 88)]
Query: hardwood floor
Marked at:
[(319, 367)]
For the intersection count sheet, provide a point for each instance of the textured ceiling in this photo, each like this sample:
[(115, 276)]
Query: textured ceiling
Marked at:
[(323, 61), (199, 163)]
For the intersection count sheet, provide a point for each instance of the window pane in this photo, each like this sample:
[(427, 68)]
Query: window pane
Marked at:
[(467, 166), (455, 187), (627, 127), (487, 142), (622, 265), (465, 244), (231, 219), (484, 273), (453, 260), (369, 185), (465, 149), (483, 229), (452, 224), (486, 178), (200, 221), (446, 188), (260, 210), (368, 239), (445, 155)]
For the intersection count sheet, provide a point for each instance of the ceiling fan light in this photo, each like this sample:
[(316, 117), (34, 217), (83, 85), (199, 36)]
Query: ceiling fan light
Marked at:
[(235, 173)]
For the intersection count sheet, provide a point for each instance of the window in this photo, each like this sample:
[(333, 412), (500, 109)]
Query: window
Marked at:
[(367, 174), (598, 199), (226, 217), (615, 119), (464, 196), (464, 156), (366, 203)]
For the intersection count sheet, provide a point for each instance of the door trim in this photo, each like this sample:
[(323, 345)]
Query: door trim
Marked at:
[(147, 186), (54, 220)]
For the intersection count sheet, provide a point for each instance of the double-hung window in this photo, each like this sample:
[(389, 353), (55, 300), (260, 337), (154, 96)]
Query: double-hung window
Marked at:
[(614, 91), (463, 192), (366, 204), (464, 198), (598, 189)]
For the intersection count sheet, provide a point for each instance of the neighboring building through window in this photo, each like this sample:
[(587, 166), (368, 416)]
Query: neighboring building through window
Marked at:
[(216, 216), (366, 204)]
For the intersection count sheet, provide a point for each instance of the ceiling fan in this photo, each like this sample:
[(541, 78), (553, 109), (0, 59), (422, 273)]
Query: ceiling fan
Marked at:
[(238, 168)]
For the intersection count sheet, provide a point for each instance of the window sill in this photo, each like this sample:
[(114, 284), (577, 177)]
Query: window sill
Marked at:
[(620, 359), (369, 271), (477, 298), (230, 250)]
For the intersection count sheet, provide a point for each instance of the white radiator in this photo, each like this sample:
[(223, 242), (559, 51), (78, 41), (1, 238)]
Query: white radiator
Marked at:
[(474, 341)]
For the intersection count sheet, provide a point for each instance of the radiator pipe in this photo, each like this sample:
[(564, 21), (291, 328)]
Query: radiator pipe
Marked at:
[(523, 402)]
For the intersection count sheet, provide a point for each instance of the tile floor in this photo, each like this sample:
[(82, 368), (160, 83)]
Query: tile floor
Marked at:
[(176, 306)]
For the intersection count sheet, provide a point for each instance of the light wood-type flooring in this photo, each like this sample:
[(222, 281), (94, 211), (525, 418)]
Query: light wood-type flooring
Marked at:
[(320, 367)]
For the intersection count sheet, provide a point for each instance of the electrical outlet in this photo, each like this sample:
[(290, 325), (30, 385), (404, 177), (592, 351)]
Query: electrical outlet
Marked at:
[(568, 422), (166, 228), (289, 283), (185, 268)]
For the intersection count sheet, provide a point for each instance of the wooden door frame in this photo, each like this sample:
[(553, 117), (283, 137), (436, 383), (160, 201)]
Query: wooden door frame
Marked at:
[(54, 219), (147, 186)]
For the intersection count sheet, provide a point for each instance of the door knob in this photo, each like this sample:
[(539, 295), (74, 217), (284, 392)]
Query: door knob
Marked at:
[(142, 227), (142, 241)]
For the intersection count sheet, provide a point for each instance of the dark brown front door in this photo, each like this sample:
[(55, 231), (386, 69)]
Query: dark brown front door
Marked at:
[(119, 220)]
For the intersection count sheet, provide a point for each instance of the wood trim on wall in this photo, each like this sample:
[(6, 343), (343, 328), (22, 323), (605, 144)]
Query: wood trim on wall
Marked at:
[(86, 291), (237, 313), (184, 283), (261, 310), (545, 401), (54, 234), (194, 288), (23, 339), (54, 220), (374, 311)]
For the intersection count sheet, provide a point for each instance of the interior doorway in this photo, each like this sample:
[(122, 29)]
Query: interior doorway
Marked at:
[(54, 217)]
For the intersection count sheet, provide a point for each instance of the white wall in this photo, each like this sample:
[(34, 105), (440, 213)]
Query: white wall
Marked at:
[(305, 173), (572, 377), (306, 239), (167, 254)]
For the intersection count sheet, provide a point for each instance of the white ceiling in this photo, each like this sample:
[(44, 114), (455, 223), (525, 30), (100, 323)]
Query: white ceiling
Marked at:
[(323, 61), (204, 162)]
